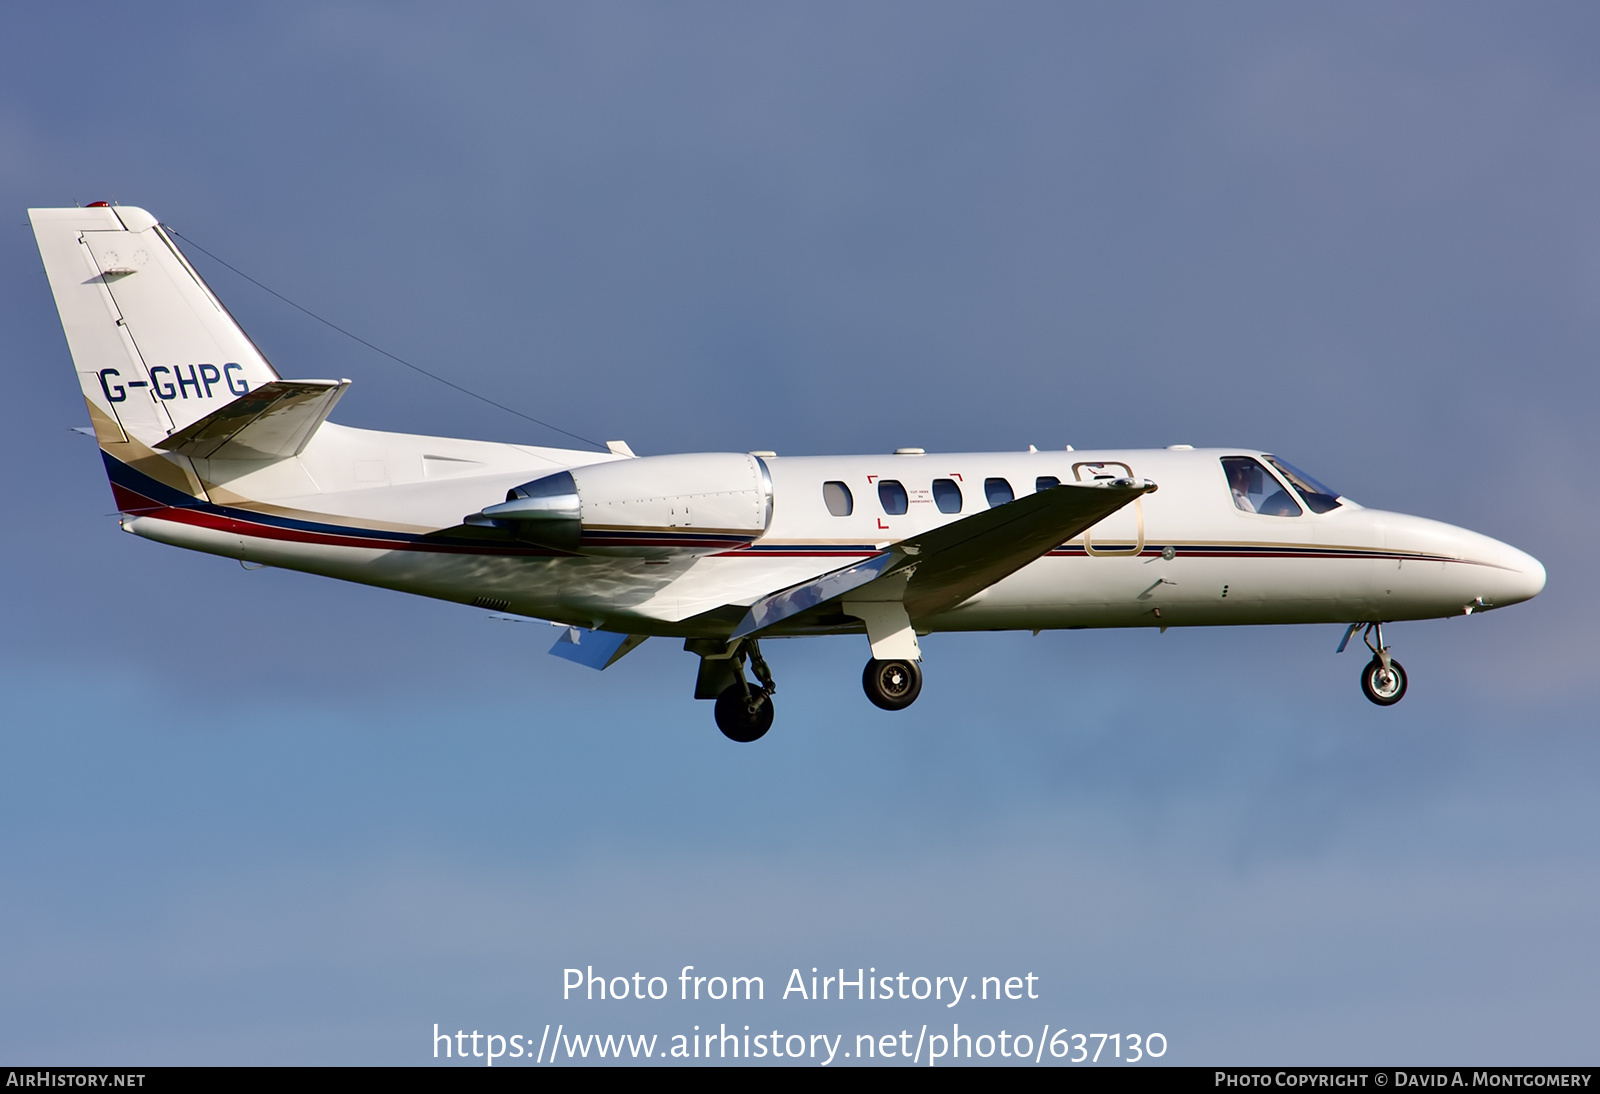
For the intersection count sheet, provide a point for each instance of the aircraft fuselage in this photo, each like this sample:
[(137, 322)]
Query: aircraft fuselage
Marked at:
[(1185, 555)]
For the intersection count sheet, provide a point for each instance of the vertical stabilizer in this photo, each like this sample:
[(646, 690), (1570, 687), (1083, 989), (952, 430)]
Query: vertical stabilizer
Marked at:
[(155, 350)]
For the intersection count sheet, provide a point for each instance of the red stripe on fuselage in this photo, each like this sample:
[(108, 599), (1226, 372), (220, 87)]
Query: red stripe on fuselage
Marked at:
[(200, 519)]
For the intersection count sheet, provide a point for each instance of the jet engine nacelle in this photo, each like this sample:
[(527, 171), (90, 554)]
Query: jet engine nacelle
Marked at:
[(650, 507)]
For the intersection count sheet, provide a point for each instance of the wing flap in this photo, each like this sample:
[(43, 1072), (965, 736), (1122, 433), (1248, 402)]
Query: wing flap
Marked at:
[(595, 649), (716, 582), (802, 598), (273, 422)]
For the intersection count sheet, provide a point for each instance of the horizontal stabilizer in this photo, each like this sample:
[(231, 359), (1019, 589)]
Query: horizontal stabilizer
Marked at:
[(273, 422), (596, 649), (940, 568)]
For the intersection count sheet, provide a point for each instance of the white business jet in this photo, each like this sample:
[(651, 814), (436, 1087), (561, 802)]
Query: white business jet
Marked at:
[(208, 448)]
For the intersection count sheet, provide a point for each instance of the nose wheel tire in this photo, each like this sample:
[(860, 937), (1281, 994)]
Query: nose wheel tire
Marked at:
[(892, 685), (1386, 687), (744, 719)]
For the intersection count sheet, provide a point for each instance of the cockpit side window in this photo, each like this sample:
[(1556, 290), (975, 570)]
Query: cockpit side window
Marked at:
[(1318, 498), (1254, 490)]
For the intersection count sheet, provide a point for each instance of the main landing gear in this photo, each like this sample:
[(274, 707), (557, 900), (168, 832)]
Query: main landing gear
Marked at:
[(744, 713), (1383, 680), (744, 709), (892, 685)]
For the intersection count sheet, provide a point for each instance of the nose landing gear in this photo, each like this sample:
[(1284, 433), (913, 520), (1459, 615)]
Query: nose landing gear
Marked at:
[(1383, 684), (1383, 680)]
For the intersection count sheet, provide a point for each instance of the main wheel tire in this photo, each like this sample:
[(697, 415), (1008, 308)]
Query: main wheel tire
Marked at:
[(737, 720), (1384, 688), (892, 685)]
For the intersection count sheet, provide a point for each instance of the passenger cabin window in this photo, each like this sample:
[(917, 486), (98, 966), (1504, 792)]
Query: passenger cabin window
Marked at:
[(1318, 498), (837, 495), (947, 495), (1256, 491), (997, 491), (893, 497), (1045, 482)]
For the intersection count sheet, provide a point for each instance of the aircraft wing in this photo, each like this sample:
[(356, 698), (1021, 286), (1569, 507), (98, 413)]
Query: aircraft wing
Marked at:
[(938, 569), (272, 422), (960, 559)]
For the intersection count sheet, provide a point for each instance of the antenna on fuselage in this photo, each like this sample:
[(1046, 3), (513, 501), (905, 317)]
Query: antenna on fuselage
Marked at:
[(379, 349)]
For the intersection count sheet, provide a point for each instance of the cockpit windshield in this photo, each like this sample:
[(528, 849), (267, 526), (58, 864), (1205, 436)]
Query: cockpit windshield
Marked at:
[(1318, 498)]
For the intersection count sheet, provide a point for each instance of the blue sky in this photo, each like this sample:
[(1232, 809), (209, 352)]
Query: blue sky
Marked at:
[(263, 817)]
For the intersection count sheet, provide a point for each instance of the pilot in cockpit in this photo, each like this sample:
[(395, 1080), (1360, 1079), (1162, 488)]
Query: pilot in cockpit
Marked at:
[(1239, 483)]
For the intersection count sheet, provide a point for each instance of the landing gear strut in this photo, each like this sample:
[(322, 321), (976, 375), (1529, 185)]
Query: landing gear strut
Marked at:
[(744, 713), (892, 685), (1383, 680)]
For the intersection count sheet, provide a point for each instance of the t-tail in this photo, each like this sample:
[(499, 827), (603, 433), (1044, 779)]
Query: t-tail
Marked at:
[(168, 375)]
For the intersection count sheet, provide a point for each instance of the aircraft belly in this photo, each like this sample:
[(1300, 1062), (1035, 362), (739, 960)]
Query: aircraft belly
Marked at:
[(1053, 593), (1082, 591), (569, 589)]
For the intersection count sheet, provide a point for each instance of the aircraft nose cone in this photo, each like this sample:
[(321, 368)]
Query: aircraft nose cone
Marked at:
[(1486, 573), (1524, 579), (1505, 574)]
